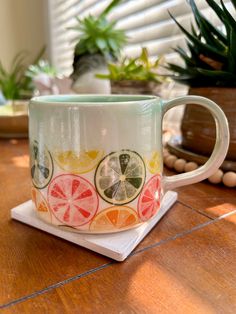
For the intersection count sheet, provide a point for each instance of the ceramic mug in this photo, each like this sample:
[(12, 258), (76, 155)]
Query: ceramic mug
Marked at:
[(96, 161)]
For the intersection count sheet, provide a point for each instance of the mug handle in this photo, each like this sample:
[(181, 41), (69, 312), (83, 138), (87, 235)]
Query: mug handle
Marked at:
[(221, 144)]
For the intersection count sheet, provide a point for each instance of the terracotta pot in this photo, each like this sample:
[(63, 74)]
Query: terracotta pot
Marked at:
[(198, 126), (134, 87)]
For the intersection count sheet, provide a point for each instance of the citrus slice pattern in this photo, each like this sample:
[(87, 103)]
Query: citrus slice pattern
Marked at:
[(120, 176), (39, 201), (154, 164), (79, 163), (72, 199), (114, 218), (149, 200), (41, 165)]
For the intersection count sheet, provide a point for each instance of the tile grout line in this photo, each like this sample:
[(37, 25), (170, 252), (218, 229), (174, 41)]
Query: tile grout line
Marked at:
[(54, 286), (196, 210), (94, 270), (184, 233)]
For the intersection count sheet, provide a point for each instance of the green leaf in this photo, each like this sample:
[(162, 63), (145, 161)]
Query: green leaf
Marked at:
[(219, 12), (234, 3), (229, 20), (178, 69), (101, 43), (207, 49), (205, 31), (103, 76), (232, 52), (110, 7), (2, 70), (39, 55), (219, 74), (133, 69), (144, 56), (184, 56), (193, 30), (214, 30), (113, 44), (156, 63), (113, 70)]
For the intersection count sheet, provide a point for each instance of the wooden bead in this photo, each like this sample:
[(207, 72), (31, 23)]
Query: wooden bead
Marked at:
[(229, 179), (180, 164), (170, 160), (165, 153), (190, 166), (216, 177)]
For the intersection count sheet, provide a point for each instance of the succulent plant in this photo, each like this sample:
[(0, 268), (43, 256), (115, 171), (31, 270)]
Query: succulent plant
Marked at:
[(97, 36), (14, 83), (135, 69), (211, 60), (41, 67)]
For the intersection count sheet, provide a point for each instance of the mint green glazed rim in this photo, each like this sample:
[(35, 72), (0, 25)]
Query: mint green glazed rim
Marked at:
[(93, 99)]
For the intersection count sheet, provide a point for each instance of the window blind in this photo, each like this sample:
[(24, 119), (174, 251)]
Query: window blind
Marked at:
[(146, 22)]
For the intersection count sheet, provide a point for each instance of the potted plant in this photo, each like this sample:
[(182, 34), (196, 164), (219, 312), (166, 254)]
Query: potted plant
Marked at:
[(99, 42), (210, 71), (134, 75), (43, 77), (17, 88)]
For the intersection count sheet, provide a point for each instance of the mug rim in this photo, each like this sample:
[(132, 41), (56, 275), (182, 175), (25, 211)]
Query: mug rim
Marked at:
[(92, 99)]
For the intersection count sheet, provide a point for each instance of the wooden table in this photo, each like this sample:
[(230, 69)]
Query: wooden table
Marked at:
[(187, 264)]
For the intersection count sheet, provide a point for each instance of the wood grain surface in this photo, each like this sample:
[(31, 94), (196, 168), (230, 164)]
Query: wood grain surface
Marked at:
[(187, 264)]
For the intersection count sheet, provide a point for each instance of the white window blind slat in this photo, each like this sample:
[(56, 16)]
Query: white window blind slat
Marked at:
[(157, 14), (60, 9)]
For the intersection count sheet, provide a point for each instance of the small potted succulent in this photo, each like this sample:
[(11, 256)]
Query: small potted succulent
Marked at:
[(17, 88), (99, 42), (43, 77), (210, 71), (134, 75)]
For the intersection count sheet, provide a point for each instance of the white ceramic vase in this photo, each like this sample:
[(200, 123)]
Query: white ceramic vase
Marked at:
[(84, 75)]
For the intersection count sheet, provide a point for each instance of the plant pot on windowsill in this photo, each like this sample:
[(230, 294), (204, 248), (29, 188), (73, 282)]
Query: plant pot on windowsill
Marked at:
[(198, 126), (84, 75), (99, 42), (210, 69), (135, 87), (14, 119)]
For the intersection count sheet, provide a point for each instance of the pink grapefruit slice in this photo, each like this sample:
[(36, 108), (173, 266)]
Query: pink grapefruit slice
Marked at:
[(149, 200), (72, 199)]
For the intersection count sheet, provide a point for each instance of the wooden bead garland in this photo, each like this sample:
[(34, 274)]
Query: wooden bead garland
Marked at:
[(181, 165)]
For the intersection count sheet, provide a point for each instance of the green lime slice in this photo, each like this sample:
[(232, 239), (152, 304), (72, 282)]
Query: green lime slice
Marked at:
[(41, 165), (120, 176)]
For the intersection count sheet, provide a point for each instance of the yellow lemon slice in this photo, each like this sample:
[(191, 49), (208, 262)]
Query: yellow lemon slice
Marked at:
[(154, 164), (114, 218), (83, 162)]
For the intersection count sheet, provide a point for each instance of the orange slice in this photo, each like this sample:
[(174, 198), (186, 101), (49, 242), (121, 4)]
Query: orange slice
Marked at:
[(149, 199), (39, 200), (114, 218), (82, 162), (120, 176), (72, 199), (41, 205)]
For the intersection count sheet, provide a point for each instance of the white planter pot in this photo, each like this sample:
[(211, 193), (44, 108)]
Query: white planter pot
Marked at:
[(88, 83)]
